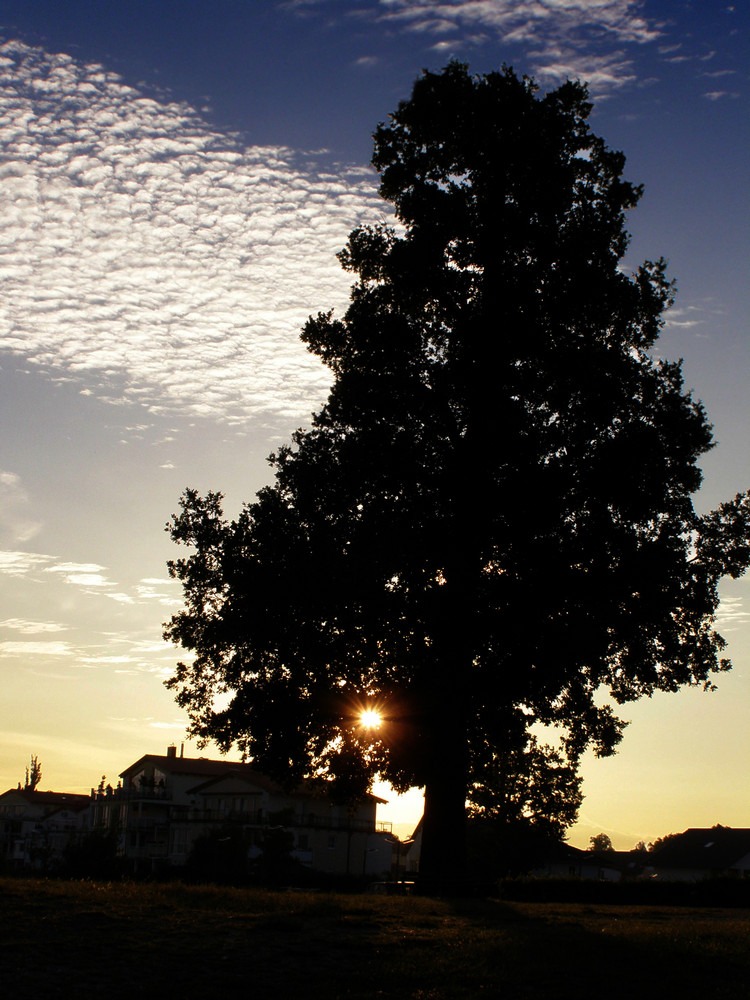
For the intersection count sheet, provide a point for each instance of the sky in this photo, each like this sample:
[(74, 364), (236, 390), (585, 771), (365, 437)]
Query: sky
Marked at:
[(176, 178)]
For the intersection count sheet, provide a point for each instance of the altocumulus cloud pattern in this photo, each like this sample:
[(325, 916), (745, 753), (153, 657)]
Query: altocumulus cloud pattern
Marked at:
[(151, 259)]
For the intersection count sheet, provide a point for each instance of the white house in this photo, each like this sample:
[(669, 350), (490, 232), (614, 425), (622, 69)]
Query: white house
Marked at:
[(164, 803)]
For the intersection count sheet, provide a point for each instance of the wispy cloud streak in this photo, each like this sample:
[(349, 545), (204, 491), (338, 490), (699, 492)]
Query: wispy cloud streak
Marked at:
[(590, 40)]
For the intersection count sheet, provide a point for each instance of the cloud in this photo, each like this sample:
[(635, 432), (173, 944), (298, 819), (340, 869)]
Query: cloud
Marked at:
[(106, 660), (15, 523), (731, 614), (152, 260), (21, 563), (685, 317), (159, 591), (622, 19), (89, 576), (562, 39), (33, 648), (81, 574), (603, 73), (570, 38), (717, 95), (31, 628)]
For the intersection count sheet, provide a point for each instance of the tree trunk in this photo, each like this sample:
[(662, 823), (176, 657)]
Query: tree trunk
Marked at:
[(442, 863)]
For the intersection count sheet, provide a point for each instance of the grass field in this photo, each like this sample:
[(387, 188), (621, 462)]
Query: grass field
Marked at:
[(83, 939)]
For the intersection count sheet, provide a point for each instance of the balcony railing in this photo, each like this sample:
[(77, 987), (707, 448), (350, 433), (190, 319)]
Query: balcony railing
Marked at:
[(132, 793), (289, 821)]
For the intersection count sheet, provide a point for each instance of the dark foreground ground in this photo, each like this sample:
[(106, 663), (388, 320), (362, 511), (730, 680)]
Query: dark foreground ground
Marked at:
[(84, 939)]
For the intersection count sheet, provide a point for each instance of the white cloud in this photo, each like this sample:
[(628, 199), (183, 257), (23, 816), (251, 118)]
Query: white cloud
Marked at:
[(684, 317), (106, 660), (603, 73), (731, 614), (81, 574), (159, 591), (623, 19), (21, 563), (583, 30), (31, 628), (155, 261), (32, 648)]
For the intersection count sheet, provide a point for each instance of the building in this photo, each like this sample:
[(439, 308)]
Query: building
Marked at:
[(561, 860), (700, 853), (163, 804), (36, 826)]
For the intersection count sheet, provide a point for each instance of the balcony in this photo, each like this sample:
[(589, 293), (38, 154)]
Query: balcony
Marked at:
[(142, 793), (289, 821), (346, 823)]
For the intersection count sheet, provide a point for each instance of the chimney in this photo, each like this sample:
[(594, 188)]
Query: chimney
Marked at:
[(172, 751), (182, 750)]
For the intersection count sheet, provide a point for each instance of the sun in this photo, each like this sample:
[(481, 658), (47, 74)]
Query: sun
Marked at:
[(370, 718)]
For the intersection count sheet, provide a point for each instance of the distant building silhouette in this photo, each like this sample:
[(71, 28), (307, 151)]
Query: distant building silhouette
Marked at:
[(36, 826), (700, 853)]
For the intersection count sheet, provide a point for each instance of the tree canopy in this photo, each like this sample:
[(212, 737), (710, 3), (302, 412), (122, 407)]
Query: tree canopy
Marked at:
[(601, 842), (489, 523), (532, 787)]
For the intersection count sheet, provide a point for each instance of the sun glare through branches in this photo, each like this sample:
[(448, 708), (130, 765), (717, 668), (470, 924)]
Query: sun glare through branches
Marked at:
[(370, 718)]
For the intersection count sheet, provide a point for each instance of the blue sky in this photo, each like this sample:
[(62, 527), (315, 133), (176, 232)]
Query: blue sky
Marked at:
[(176, 180)]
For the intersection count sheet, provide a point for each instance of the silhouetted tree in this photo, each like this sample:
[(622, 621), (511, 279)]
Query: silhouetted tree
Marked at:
[(33, 774), (490, 520), (601, 842), (535, 784), (663, 841), (520, 800)]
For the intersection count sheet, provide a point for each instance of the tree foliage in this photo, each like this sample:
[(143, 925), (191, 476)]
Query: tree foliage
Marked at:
[(601, 842), (33, 774), (519, 802), (534, 788), (489, 522)]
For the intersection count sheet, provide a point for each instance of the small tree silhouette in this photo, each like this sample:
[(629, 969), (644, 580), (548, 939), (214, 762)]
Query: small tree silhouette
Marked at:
[(601, 842), (33, 774)]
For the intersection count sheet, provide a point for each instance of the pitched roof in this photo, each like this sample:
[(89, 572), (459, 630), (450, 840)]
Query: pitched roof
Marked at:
[(710, 849), (199, 766), (246, 777), (57, 800), (203, 767)]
